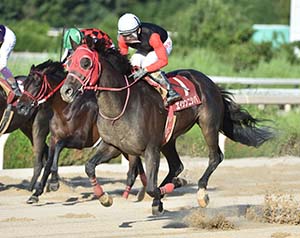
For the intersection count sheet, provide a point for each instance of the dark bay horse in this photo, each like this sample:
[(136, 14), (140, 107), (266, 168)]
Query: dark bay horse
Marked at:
[(34, 127), (132, 117), (72, 125)]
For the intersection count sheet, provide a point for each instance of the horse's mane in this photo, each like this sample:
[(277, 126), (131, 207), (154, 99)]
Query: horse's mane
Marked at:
[(49, 67), (113, 56)]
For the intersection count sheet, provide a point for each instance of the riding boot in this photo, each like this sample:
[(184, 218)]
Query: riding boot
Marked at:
[(162, 79), (14, 86)]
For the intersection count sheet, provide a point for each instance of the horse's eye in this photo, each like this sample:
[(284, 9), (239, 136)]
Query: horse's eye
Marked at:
[(86, 63)]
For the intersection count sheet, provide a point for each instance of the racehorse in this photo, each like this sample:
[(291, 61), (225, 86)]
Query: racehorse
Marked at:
[(133, 116), (33, 127), (72, 126)]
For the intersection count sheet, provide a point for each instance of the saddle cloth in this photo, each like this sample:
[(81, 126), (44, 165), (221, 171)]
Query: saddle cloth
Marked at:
[(187, 91)]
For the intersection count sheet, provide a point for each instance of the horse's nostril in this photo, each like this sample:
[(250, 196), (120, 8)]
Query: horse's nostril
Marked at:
[(69, 92), (22, 109), (66, 91)]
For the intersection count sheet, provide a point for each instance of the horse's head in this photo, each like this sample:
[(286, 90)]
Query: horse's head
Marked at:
[(38, 87), (83, 69)]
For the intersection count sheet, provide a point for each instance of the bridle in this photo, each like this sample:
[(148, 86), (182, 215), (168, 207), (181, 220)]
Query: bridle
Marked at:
[(46, 90), (88, 78)]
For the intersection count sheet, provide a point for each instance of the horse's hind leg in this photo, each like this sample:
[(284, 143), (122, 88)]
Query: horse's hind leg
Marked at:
[(135, 168), (174, 163), (141, 194), (210, 133)]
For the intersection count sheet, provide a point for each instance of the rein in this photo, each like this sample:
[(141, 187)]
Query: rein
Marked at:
[(96, 88), (125, 104), (42, 97), (89, 77)]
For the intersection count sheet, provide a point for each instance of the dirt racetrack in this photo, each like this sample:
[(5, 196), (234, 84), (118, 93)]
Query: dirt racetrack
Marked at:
[(235, 188)]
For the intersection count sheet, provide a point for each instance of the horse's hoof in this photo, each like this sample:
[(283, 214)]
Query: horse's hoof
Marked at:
[(158, 210), (141, 194), (179, 182), (202, 197), (106, 200), (32, 199), (52, 187)]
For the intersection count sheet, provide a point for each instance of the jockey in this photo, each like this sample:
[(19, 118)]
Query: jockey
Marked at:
[(152, 44), (7, 44), (79, 36)]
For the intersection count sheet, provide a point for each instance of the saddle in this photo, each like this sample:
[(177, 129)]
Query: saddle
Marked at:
[(8, 90), (187, 91), (11, 101)]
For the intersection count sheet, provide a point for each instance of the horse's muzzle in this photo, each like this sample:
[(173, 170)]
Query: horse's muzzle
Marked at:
[(23, 109), (67, 93)]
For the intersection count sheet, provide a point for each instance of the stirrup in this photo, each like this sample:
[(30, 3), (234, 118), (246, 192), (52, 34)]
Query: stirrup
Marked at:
[(16, 91), (173, 98)]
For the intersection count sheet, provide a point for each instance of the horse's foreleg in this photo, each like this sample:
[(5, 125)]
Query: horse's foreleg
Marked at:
[(39, 147), (53, 184), (152, 160), (41, 186), (38, 133), (38, 165), (104, 153)]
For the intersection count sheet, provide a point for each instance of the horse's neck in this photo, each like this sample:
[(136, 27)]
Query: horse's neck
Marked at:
[(55, 101), (112, 102), (112, 79)]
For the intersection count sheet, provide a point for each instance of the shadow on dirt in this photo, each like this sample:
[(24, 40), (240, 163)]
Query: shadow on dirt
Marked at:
[(22, 186)]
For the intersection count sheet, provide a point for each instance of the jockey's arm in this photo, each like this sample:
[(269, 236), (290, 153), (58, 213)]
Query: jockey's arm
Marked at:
[(123, 47), (160, 51)]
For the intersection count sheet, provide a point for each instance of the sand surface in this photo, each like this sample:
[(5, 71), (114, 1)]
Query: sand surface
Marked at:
[(72, 211)]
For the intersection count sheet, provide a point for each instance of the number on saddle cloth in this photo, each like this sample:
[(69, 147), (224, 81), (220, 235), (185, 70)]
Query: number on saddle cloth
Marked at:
[(187, 91)]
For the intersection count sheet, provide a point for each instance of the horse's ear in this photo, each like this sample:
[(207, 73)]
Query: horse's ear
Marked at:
[(32, 67), (90, 42), (73, 44)]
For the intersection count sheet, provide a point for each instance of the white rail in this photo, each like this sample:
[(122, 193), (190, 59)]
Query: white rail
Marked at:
[(267, 96), (255, 95), (256, 81)]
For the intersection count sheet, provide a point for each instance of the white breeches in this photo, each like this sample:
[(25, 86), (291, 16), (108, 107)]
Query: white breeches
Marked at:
[(7, 47), (144, 61)]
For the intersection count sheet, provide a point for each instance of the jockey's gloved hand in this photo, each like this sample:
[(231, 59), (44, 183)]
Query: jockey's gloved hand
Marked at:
[(139, 73)]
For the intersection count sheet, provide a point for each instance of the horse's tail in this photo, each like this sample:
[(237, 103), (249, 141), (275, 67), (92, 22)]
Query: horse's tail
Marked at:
[(240, 126)]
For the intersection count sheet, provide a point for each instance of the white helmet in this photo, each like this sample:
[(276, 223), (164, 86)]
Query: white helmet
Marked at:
[(128, 23)]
